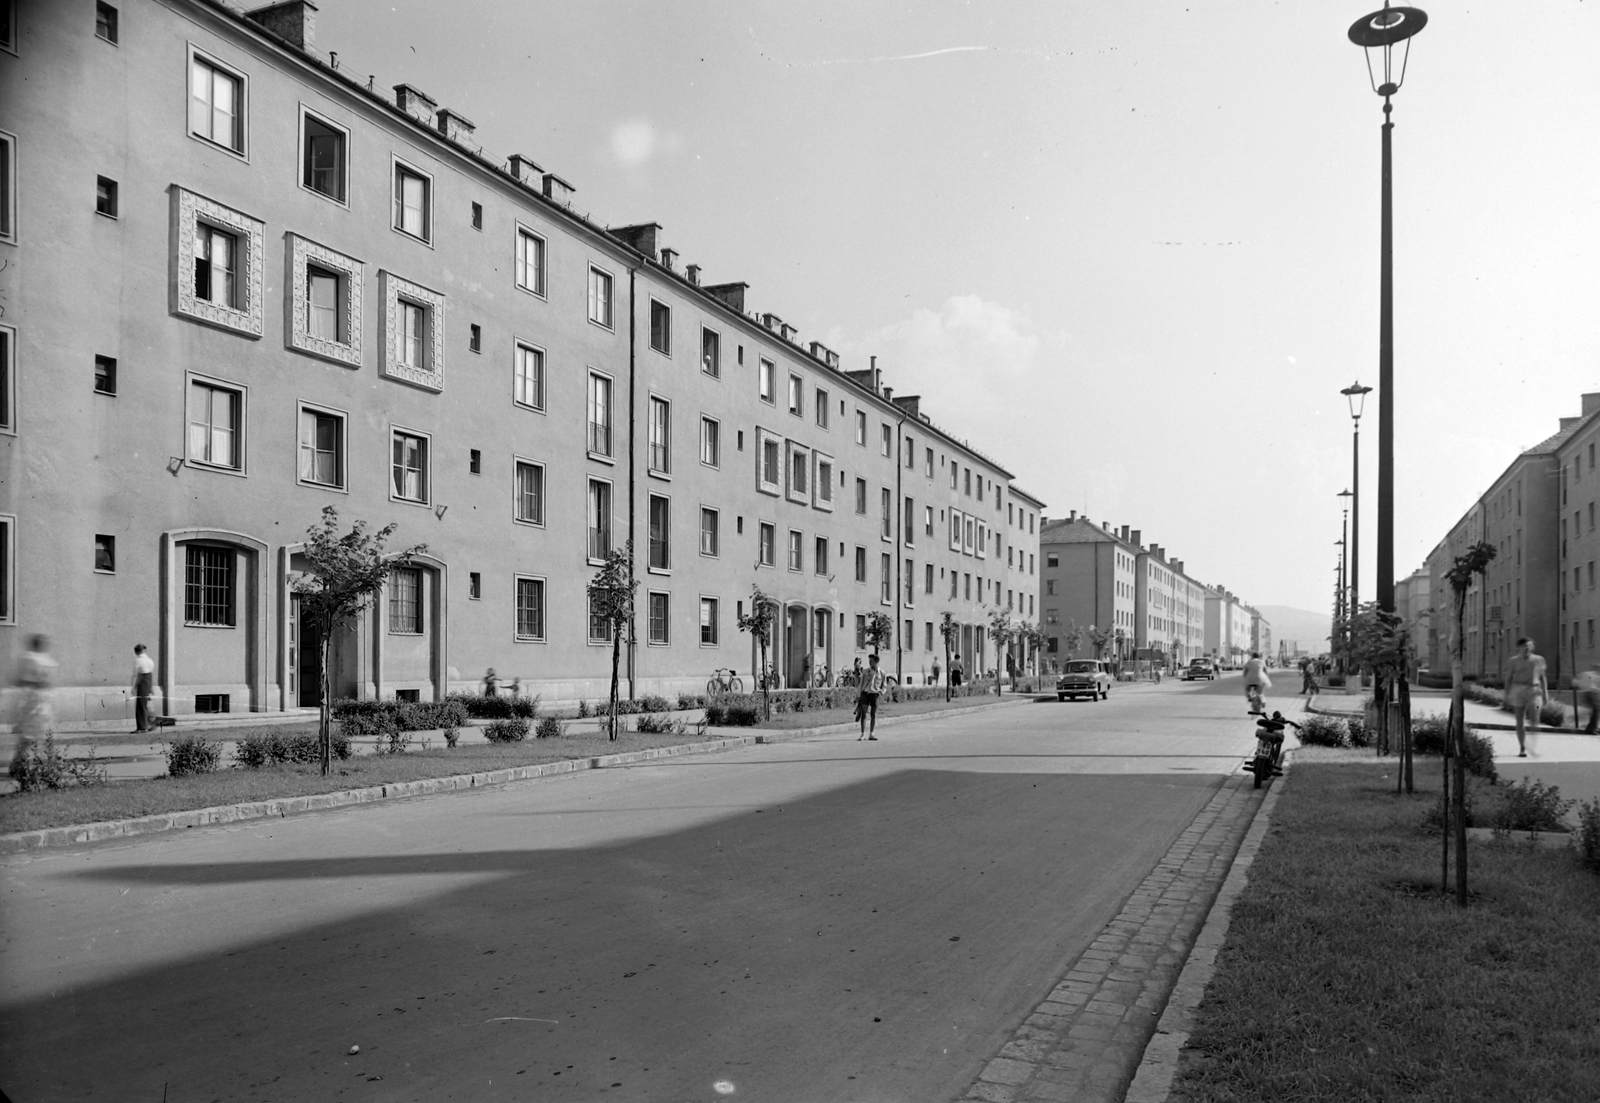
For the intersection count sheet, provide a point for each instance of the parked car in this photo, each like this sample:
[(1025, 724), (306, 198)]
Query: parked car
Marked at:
[(1199, 668), (1084, 678)]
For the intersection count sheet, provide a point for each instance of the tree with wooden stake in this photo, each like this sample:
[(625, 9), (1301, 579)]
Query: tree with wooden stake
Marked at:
[(611, 593), (880, 630), (1100, 639), (344, 573), (1380, 642), (1002, 631), (1474, 561), (758, 622), (1033, 638), (948, 630)]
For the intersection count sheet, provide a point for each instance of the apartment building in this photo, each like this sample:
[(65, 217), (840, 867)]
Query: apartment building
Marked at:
[(1089, 580), (1579, 545), (1024, 513), (255, 286)]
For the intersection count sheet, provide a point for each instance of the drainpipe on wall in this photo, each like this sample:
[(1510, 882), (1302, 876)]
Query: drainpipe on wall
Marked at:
[(899, 548), (632, 414)]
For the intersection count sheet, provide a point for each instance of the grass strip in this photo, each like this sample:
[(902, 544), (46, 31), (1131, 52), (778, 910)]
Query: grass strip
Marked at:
[(1347, 977), (816, 718)]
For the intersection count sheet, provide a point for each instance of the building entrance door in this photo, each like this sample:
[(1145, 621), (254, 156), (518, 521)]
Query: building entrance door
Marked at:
[(796, 651), (307, 646)]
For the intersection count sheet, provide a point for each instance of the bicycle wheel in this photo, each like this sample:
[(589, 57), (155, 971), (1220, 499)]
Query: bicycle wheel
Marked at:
[(891, 680), (713, 687), (736, 686)]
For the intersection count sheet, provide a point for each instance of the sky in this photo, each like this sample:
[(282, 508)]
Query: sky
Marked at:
[(1128, 249)]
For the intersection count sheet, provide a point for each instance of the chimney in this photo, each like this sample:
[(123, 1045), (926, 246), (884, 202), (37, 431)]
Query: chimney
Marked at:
[(667, 257), (294, 21), (524, 170), (692, 271), (558, 190), (771, 321), (416, 103), (1591, 403), (730, 293), (1124, 532), (455, 126), (1177, 566), (911, 404), (1106, 525), (1569, 422), (819, 351), (788, 332), (645, 237), (1134, 537), (888, 394), (877, 380)]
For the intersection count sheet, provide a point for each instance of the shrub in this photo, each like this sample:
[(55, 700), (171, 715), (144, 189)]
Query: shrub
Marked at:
[(1356, 731), (41, 766), (1429, 734), (1335, 680), (1324, 731), (654, 702), (378, 721), (1438, 816), (1431, 680), (1552, 715), (1588, 836), (272, 748), (452, 736), (583, 709), (549, 728), (691, 701), (1479, 756), (394, 742), (734, 710), (384, 718), (499, 707), (511, 730), (1531, 806), (192, 754), (655, 723)]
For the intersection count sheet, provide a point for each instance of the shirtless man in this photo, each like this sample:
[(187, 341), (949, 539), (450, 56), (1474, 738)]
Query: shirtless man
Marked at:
[(1255, 677), (1526, 690)]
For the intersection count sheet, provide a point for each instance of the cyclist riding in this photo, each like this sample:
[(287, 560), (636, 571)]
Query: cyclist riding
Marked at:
[(1256, 683)]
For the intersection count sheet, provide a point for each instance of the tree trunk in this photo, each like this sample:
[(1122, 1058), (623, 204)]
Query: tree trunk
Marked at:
[(1458, 712), (947, 668), (325, 717), (616, 663), (766, 690)]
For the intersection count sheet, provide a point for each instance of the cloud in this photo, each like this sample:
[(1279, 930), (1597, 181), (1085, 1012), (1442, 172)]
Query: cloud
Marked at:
[(634, 142), (965, 341)]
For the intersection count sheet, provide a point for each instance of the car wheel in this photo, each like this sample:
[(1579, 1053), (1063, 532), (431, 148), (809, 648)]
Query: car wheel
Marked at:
[(1061, 697)]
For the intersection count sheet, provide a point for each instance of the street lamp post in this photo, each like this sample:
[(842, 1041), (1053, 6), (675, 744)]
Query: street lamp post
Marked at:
[(1356, 395), (1378, 34), (1345, 610)]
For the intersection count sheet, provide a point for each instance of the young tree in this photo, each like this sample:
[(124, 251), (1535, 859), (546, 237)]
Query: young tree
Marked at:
[(758, 622), (1100, 639), (1033, 638), (947, 631), (880, 630), (611, 593), (1002, 631), (1475, 561), (1380, 644), (344, 573), (1072, 638)]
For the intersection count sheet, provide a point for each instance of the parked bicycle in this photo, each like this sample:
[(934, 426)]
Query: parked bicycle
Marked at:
[(723, 680)]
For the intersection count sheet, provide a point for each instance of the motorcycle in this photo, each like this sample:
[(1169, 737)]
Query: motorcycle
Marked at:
[(1269, 747)]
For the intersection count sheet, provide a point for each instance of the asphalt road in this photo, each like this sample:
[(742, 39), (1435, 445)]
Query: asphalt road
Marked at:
[(805, 921)]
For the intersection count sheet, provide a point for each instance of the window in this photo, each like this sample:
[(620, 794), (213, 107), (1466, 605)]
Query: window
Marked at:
[(413, 347), (710, 442), (710, 352), (474, 338), (911, 454), (822, 407), (8, 180), (105, 22), (530, 608), (710, 532), (323, 321), (105, 376), (861, 631), (477, 216), (910, 582), (886, 513), (765, 381), (796, 396), (216, 422), (208, 586), (405, 601), (599, 623), (885, 582), (322, 156), (796, 551), (909, 527), (769, 460), (659, 618), (413, 206), (530, 261), (861, 564), (661, 327), (927, 520), (1049, 586), (660, 430), (216, 103), (660, 533), (321, 448), (927, 464), (1052, 560), (927, 635), (599, 415), (413, 332), (955, 475), (474, 586), (888, 440), (820, 562), (105, 553), (599, 519), (105, 196), (410, 467), (326, 320), (708, 622), (861, 428), (927, 585), (799, 474), (861, 496), (474, 462), (527, 377), (966, 487), (530, 492), (823, 488), (768, 545), (600, 297), (216, 267)]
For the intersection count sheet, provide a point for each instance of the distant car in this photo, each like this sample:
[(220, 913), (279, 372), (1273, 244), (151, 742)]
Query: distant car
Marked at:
[(1199, 668), (1084, 678)]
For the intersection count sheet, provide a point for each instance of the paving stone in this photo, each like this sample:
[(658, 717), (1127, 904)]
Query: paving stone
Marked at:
[(993, 1093), (1025, 1050), (1004, 1070), (1052, 1093)]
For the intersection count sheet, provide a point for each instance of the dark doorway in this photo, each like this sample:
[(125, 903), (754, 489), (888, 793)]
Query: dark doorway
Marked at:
[(307, 660)]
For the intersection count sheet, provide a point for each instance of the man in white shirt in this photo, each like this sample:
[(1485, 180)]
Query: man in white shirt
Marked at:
[(1255, 678), (1526, 690), (144, 677), (867, 702)]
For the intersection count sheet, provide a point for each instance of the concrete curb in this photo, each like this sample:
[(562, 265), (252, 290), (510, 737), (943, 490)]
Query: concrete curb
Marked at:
[(1152, 1083), (279, 807)]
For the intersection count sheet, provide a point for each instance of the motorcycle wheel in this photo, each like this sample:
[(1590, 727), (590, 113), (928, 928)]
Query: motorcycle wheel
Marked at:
[(1255, 768)]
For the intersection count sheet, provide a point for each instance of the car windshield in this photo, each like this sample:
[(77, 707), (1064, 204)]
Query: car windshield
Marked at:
[(1080, 668), (1200, 662)]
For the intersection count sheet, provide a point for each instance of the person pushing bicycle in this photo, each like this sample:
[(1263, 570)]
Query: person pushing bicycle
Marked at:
[(1256, 683)]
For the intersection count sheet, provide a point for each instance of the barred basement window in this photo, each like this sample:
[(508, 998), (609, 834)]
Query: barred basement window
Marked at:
[(405, 601), (660, 618), (208, 586), (530, 609)]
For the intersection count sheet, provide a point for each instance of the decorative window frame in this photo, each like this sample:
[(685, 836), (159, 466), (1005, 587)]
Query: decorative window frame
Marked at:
[(301, 253), (544, 608), (775, 489), (822, 485), (300, 156), (981, 541), (792, 453), (956, 528), (391, 289), (189, 209)]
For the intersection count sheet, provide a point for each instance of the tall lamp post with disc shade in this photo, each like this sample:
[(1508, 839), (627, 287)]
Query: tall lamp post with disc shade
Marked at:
[(1356, 395), (1382, 35)]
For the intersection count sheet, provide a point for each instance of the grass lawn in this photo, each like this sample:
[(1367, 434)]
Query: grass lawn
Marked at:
[(125, 799), (1347, 977), (816, 718)]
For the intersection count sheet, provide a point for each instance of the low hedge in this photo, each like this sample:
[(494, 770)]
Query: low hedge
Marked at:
[(499, 707), (272, 747), (388, 717)]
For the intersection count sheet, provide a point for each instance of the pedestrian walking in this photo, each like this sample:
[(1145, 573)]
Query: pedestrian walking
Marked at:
[(491, 684), (35, 671), (1526, 690), (955, 669), (935, 680), (867, 699), (1011, 669), (1308, 678), (1587, 683), (144, 680)]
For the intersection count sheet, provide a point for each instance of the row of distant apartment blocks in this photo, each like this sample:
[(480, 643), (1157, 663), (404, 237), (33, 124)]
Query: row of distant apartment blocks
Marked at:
[(1098, 578), (1539, 516)]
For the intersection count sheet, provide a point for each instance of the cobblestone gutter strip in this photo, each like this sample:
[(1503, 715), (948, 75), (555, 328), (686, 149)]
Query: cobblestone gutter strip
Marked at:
[(1153, 1081), (77, 834), (1085, 1041)]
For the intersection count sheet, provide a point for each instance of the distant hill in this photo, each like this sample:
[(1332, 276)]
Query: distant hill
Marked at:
[(1309, 631)]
